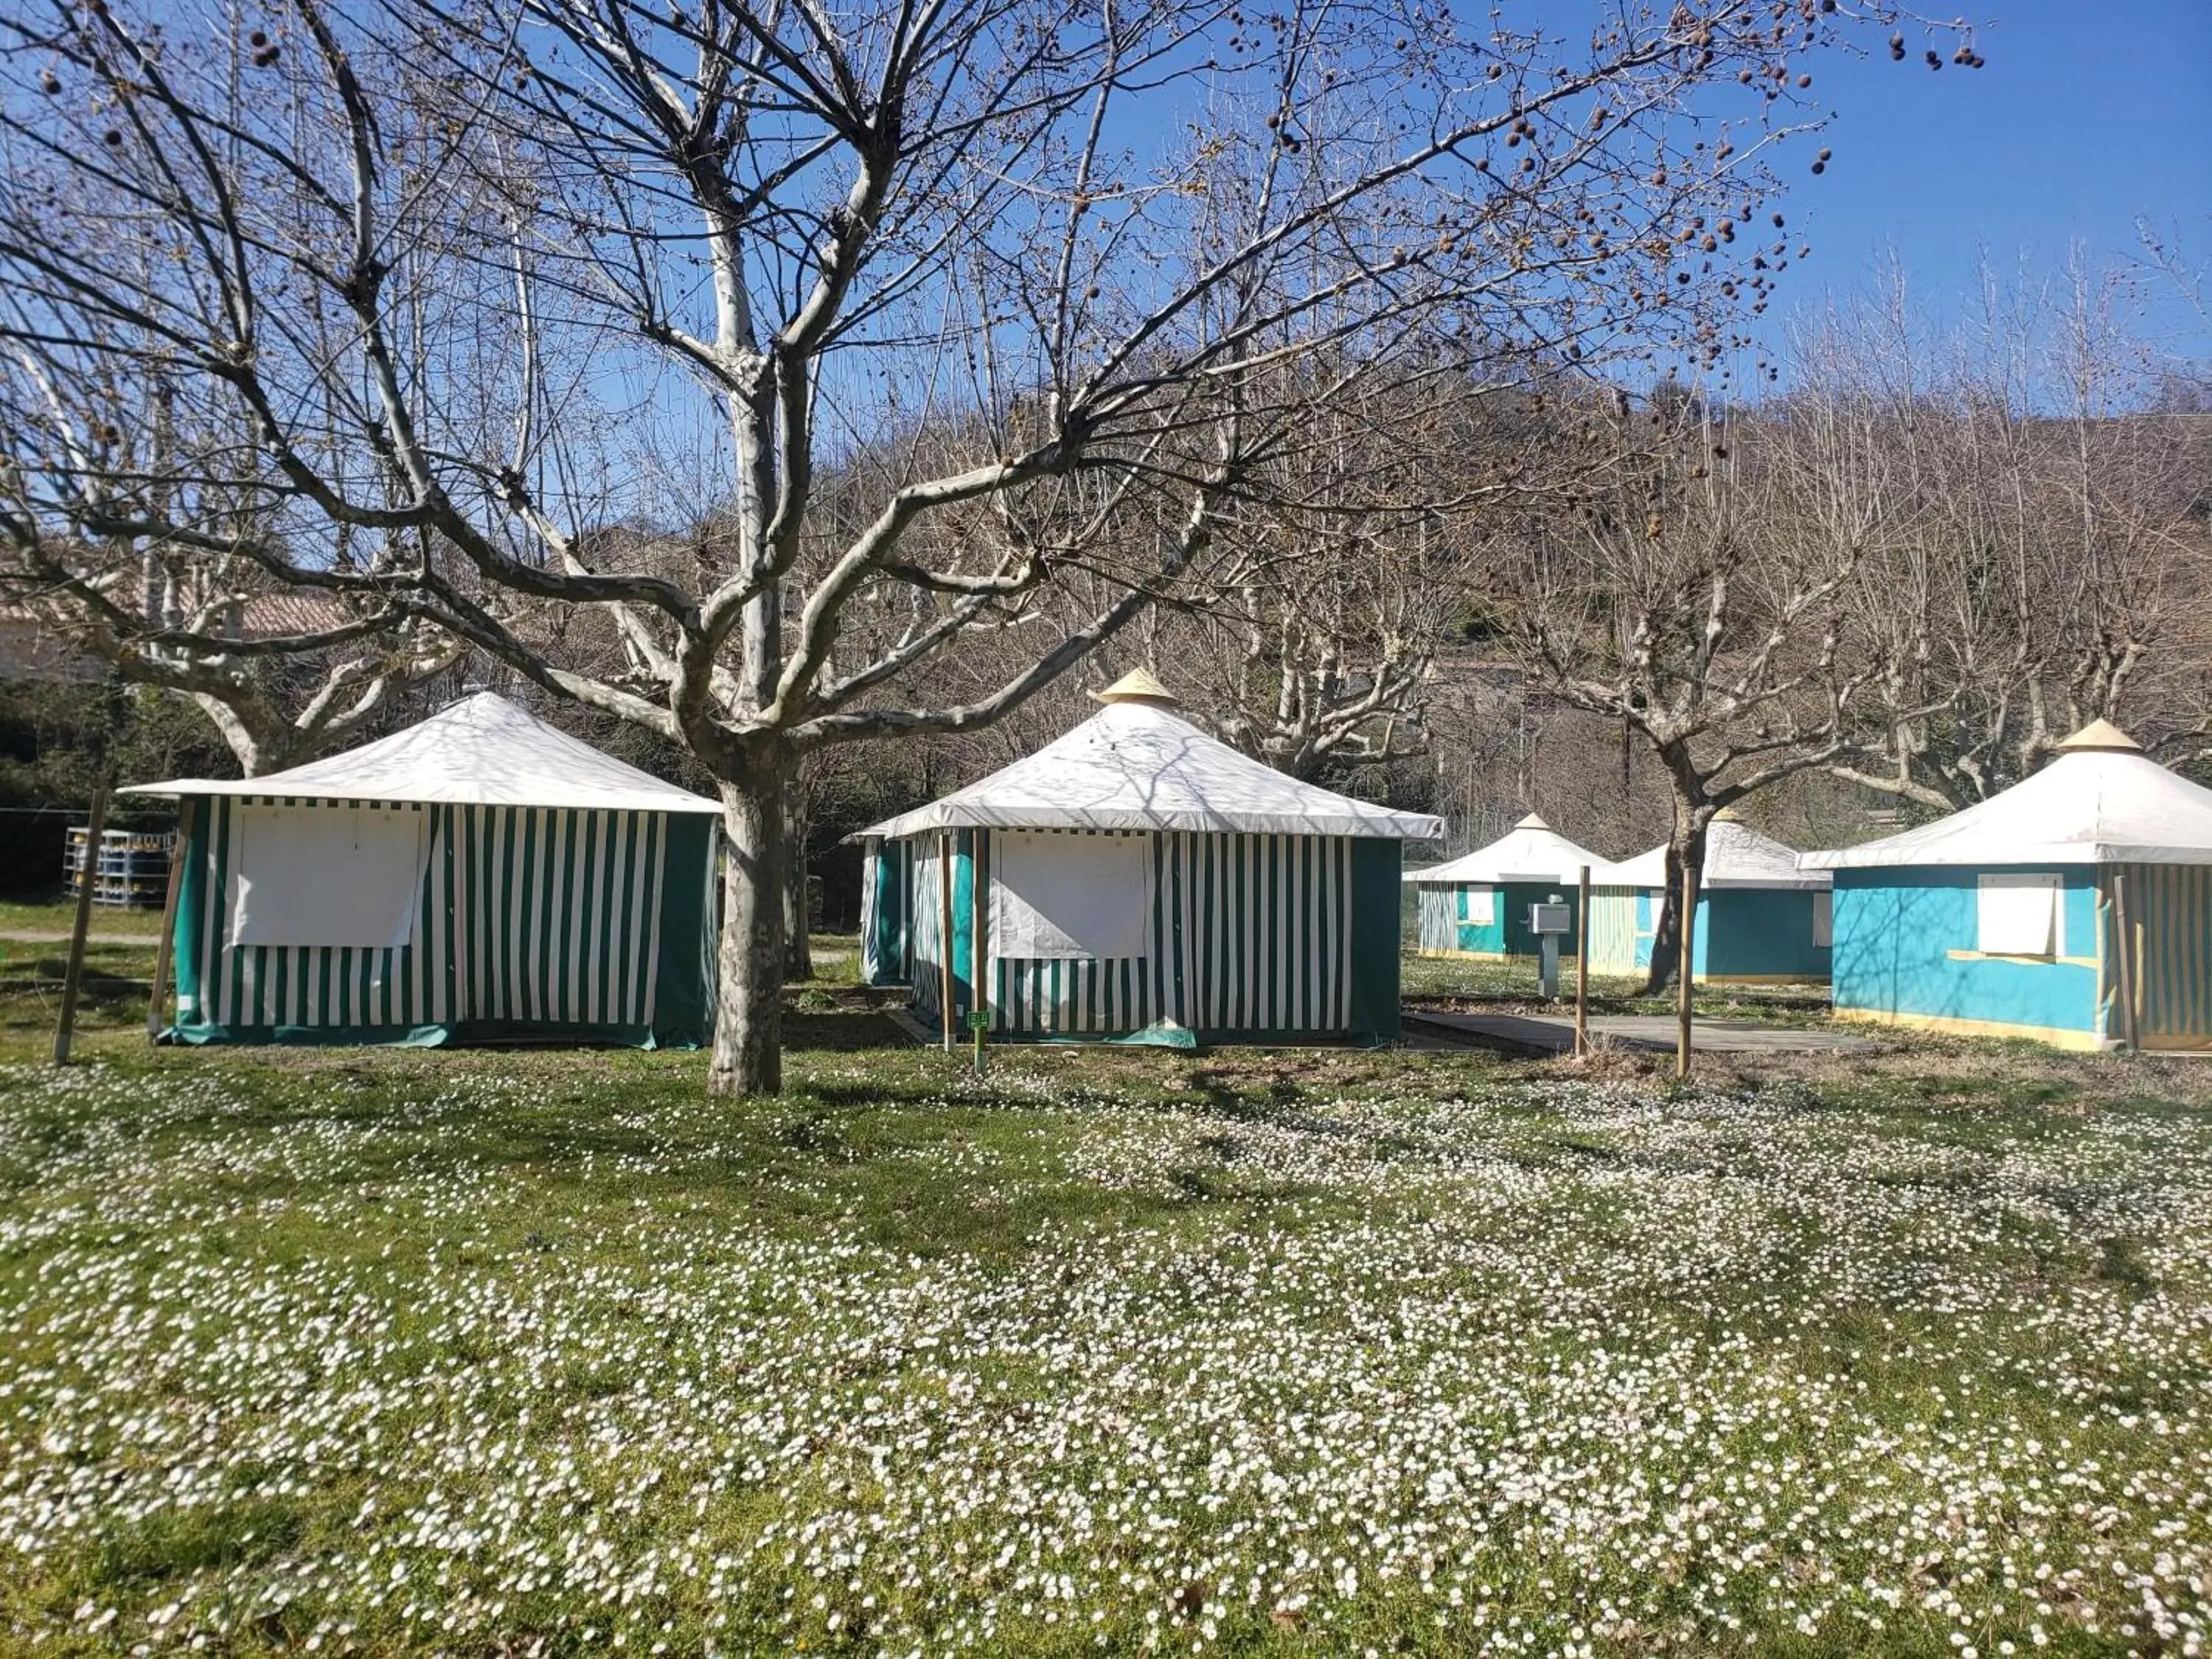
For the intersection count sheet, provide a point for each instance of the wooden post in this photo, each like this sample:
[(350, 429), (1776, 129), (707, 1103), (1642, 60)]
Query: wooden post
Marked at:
[(73, 979), (1684, 1013), (1581, 963), (2129, 1032), (944, 933), (165, 947)]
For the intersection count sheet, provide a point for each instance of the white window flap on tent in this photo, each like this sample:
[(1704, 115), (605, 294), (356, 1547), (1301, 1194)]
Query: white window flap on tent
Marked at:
[(1478, 905), (1068, 897), (2018, 916), (1824, 918), (326, 875)]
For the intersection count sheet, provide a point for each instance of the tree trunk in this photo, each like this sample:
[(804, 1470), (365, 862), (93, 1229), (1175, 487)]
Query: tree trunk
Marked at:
[(797, 946), (749, 1017), (1686, 848)]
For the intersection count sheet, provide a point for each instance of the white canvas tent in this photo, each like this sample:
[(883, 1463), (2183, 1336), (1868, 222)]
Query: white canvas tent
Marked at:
[(479, 874), (2075, 907), (1531, 851), (1760, 917), (1477, 905), (1736, 855), (1136, 765), (2101, 801), (1137, 873)]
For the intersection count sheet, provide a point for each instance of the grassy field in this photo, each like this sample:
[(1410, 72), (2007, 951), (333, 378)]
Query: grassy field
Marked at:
[(1303, 1352), (1458, 981), (55, 916)]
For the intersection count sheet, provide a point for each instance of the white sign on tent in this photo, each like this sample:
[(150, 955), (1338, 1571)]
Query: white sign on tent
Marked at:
[(1061, 897), (326, 875), (2017, 914)]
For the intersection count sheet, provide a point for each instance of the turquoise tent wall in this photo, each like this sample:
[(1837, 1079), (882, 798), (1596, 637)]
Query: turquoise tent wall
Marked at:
[(1743, 934), (886, 912), (1255, 938), (1444, 926), (1749, 935), (535, 922), (1905, 951)]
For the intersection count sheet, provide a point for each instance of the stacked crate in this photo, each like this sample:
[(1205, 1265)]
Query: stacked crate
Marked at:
[(133, 872)]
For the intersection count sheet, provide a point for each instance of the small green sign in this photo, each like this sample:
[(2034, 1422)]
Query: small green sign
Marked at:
[(979, 1019)]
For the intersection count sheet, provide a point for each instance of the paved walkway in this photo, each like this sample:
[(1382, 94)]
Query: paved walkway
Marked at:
[(1543, 1034)]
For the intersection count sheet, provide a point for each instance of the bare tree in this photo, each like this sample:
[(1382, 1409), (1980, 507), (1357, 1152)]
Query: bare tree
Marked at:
[(471, 277), (1310, 640), (2036, 561), (1686, 600), (93, 461), (281, 682)]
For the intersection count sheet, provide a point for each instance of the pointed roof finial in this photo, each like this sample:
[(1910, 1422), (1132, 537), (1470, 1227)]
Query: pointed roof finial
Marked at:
[(2101, 735), (1138, 685), (1532, 822)]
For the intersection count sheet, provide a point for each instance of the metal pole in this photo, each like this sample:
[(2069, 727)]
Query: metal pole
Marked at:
[(73, 981), (944, 933), (1683, 1012), (165, 947), (1581, 963)]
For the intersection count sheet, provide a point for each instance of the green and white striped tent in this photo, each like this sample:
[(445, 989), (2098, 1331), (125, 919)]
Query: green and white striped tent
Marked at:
[(480, 876), (1137, 877)]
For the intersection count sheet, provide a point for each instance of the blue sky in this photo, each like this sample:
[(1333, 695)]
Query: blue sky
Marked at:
[(2089, 113)]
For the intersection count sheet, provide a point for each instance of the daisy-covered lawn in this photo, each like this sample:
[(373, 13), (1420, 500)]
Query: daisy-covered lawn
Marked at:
[(506, 1354)]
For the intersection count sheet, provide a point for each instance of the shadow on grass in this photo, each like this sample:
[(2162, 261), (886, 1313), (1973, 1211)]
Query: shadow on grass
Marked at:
[(841, 1030)]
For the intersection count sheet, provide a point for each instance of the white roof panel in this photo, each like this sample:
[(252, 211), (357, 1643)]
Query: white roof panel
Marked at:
[(1736, 855), (1136, 766), (1531, 851), (482, 752), (2090, 806)]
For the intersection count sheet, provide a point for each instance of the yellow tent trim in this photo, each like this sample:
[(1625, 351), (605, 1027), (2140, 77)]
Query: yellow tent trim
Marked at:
[(1951, 1025)]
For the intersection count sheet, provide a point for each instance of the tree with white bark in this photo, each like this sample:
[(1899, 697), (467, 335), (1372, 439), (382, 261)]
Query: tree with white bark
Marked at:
[(1696, 598), (1310, 640), (93, 462), (473, 278), (2041, 559)]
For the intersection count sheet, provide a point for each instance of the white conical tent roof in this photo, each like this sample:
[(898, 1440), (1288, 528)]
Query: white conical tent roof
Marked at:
[(1736, 855), (2101, 801), (1135, 766), (1531, 851), (482, 752)]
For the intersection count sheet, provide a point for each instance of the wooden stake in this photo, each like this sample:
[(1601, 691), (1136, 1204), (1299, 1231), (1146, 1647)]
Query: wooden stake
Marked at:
[(944, 933), (2129, 1032), (1684, 1013), (166, 946), (1581, 963), (73, 981)]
